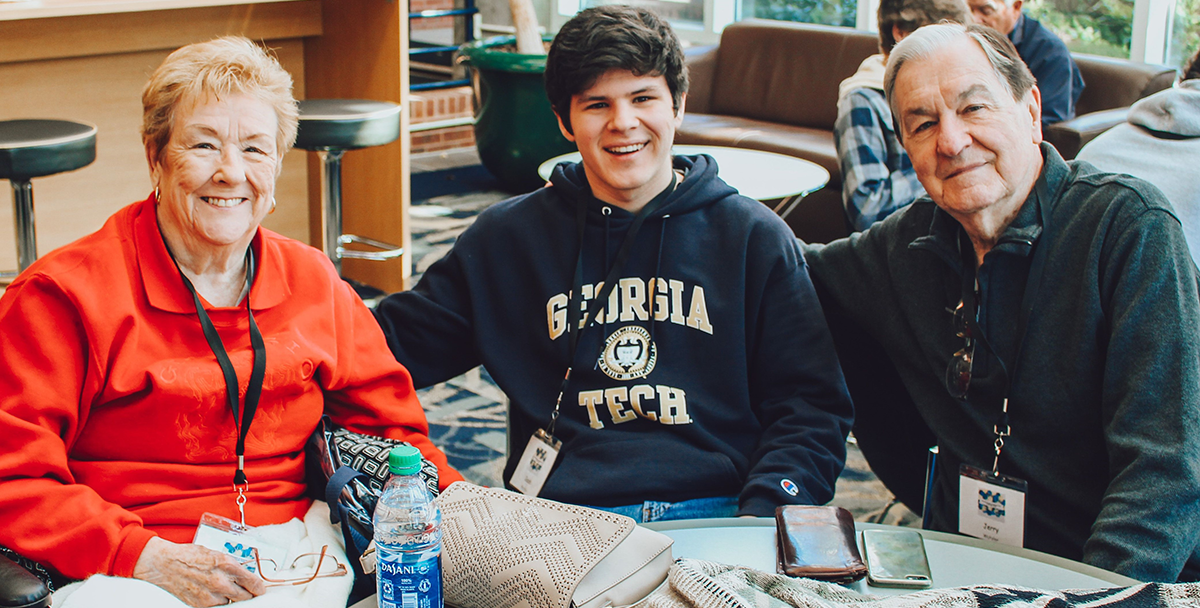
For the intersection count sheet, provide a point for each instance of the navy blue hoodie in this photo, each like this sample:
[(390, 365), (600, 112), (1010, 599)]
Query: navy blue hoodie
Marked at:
[(710, 373)]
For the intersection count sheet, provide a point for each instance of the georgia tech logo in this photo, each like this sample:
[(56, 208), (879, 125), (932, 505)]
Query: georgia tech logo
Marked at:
[(628, 354)]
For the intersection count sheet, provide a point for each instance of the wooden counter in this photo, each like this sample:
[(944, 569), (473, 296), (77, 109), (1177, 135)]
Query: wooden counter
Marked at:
[(88, 60)]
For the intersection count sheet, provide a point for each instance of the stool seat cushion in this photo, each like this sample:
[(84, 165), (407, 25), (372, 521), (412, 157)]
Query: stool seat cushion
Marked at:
[(346, 124), (33, 148)]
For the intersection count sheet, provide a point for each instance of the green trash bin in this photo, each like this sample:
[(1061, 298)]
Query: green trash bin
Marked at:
[(515, 129)]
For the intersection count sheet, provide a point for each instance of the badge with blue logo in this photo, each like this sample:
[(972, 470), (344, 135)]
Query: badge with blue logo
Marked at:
[(227, 536), (991, 506), (789, 486)]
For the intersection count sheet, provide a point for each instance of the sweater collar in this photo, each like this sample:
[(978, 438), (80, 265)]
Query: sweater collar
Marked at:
[(1021, 234), (1017, 36), (163, 284)]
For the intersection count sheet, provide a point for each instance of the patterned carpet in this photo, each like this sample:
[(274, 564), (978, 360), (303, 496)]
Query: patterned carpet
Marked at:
[(467, 414)]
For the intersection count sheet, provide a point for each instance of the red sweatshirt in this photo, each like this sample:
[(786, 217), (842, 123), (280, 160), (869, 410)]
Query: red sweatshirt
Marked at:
[(114, 426)]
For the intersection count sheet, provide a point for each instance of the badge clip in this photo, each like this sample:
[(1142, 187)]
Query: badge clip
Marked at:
[(536, 463)]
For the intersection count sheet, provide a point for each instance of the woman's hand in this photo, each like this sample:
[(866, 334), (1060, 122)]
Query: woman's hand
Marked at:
[(197, 575)]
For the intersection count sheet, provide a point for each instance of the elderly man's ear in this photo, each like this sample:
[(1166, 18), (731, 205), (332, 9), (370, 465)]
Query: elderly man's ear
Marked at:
[(1033, 99)]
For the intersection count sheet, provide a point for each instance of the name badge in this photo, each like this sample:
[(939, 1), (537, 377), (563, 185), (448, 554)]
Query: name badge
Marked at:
[(991, 507), (535, 464), (225, 535)]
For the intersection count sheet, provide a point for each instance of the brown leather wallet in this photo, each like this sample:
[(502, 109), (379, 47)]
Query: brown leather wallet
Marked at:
[(817, 542)]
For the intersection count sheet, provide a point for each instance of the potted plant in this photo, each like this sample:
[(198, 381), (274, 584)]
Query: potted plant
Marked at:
[(515, 129)]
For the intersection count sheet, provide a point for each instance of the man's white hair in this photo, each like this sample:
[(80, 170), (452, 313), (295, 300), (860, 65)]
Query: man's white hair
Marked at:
[(926, 41)]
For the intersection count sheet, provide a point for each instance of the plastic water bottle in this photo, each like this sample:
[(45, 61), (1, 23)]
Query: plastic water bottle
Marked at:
[(408, 537)]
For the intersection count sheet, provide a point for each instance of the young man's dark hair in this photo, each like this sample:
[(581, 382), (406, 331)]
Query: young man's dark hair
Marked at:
[(908, 15), (612, 37)]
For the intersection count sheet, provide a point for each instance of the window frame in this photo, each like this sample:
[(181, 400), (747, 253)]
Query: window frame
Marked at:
[(1152, 21)]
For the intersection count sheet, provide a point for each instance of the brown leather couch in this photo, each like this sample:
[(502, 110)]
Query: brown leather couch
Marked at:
[(1110, 87), (772, 85)]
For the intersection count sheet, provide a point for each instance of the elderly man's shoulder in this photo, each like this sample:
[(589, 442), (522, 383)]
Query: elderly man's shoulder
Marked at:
[(903, 226), (885, 238), (1117, 195)]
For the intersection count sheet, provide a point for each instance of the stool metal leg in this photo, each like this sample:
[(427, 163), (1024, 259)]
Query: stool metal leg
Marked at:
[(23, 222), (331, 202)]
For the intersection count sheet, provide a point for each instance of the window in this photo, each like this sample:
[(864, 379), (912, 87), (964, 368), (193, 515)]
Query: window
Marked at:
[(687, 13), (701, 21), (1099, 27), (828, 12), (1153, 31), (1183, 33)]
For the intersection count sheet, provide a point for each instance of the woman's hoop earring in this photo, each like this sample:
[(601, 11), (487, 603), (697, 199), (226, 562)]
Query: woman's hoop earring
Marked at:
[(156, 197), (273, 204)]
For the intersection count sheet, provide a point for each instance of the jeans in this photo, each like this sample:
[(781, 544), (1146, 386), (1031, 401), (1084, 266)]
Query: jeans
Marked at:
[(717, 506)]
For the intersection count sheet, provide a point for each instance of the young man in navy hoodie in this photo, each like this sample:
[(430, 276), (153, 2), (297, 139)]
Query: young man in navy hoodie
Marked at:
[(703, 382)]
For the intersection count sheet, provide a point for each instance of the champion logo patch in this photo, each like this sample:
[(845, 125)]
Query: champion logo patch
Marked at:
[(789, 486)]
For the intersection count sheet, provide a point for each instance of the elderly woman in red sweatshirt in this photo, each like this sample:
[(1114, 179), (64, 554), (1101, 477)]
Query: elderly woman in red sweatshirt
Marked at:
[(175, 362)]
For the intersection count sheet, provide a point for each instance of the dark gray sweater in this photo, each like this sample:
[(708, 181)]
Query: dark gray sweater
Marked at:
[(1105, 398)]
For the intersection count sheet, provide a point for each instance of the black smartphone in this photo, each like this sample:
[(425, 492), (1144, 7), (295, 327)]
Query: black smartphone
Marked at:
[(896, 558)]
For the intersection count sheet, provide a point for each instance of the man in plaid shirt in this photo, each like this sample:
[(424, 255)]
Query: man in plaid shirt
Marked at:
[(877, 177)]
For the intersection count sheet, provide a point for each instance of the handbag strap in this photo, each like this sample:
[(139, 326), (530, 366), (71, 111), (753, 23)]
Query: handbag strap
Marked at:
[(337, 482), (354, 541)]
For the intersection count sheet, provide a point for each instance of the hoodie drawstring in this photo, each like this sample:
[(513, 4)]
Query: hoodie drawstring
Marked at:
[(614, 267), (662, 237), (608, 261)]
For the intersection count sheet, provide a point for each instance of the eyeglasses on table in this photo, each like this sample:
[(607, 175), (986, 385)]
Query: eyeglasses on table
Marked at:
[(325, 566)]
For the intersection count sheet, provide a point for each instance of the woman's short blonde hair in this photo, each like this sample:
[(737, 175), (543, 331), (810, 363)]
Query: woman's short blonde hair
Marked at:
[(227, 65)]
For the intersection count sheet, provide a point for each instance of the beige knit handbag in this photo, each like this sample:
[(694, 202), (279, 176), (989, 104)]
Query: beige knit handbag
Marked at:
[(501, 549)]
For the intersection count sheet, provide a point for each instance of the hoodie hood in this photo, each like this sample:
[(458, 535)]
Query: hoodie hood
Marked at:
[(869, 76), (700, 188), (1175, 111)]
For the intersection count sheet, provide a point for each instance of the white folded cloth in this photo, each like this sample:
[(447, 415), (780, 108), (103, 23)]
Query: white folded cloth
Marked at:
[(299, 537)]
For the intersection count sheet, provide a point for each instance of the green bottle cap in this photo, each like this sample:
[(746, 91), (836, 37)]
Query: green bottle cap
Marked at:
[(404, 460)]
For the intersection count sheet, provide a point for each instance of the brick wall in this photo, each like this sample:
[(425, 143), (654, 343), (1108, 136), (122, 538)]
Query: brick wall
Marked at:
[(441, 104), (435, 23)]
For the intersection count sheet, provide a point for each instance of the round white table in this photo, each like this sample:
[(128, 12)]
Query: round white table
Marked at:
[(954, 560), (762, 176)]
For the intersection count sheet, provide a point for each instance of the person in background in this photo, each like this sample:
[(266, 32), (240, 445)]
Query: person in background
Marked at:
[(1042, 317), (1053, 68), (1160, 143), (877, 176), (638, 310), (175, 362)]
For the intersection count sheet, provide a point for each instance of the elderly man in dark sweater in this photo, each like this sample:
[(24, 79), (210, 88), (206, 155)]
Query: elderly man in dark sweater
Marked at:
[(1041, 315)]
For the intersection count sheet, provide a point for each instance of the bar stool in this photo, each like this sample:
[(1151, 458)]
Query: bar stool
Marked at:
[(35, 148), (330, 127)]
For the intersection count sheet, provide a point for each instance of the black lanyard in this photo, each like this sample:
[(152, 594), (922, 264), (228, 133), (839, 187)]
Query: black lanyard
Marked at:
[(1033, 285), (573, 309), (243, 419)]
